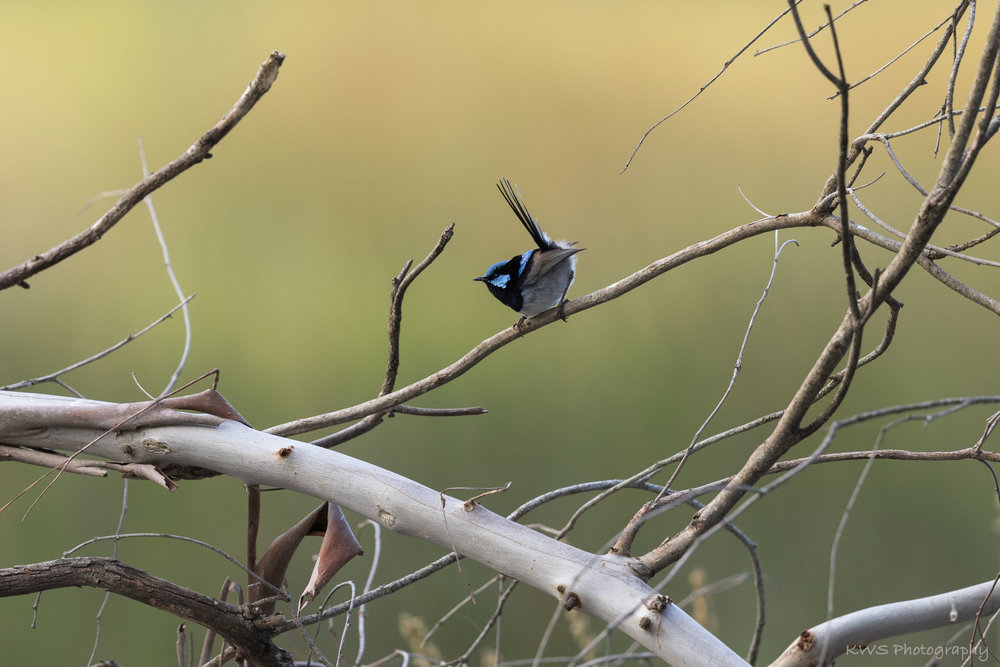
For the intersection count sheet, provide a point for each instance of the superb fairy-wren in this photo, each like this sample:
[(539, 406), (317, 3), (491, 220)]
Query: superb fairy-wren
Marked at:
[(538, 279)]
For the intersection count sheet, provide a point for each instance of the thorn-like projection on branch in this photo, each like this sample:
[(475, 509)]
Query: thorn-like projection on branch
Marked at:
[(339, 546)]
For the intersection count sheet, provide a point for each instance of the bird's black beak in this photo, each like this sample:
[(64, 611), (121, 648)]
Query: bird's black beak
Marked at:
[(481, 278)]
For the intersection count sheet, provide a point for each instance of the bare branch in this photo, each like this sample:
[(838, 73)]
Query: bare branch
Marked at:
[(840, 81), (399, 285), (738, 366), (169, 267), (884, 139), (251, 634), (813, 33), (84, 466), (624, 543), (895, 58), (958, 161), (957, 61), (691, 99), (605, 584), (494, 343), (866, 626), (918, 80), (52, 377), (200, 150)]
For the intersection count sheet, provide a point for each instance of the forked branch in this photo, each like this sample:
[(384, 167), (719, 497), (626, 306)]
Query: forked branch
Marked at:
[(198, 151), (958, 161)]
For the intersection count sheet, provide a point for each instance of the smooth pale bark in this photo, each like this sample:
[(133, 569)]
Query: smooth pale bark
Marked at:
[(858, 633), (603, 586)]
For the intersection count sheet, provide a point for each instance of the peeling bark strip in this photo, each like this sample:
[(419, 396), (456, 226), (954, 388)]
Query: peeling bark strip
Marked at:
[(244, 627)]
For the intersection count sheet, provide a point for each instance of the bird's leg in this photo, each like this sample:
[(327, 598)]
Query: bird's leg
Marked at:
[(563, 301), (561, 309)]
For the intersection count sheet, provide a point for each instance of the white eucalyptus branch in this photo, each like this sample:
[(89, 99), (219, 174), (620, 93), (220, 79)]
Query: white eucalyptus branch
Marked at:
[(602, 586), (865, 627)]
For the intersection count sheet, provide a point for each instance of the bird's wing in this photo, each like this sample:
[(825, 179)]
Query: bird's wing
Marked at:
[(544, 261)]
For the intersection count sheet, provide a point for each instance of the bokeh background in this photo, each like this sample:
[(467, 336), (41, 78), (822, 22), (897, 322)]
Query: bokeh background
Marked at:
[(387, 122)]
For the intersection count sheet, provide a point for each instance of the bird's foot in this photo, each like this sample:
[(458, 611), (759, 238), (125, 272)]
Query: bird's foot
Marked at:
[(561, 312)]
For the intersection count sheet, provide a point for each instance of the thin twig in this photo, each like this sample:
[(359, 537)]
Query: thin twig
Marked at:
[(458, 607), (918, 80), (114, 551), (399, 286), (894, 59), (196, 153), (842, 524), (182, 538), (957, 62), (493, 620), (840, 81), (933, 251), (376, 560), (52, 377), (438, 412), (703, 88), (394, 325), (510, 334), (815, 32), (738, 365), (168, 266)]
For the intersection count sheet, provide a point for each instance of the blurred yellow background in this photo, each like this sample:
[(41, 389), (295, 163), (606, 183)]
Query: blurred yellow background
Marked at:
[(387, 122)]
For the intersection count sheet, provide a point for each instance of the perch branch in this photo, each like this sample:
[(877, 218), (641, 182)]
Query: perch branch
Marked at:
[(497, 341)]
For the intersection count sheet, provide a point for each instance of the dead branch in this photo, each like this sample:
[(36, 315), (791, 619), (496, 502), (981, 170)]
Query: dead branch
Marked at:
[(606, 586), (788, 432), (865, 627), (507, 336), (244, 627), (197, 152)]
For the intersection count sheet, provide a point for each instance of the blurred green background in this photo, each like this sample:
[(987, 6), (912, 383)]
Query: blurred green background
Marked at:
[(387, 122)]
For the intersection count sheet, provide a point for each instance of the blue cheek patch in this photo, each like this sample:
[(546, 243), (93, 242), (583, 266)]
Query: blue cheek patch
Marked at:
[(500, 281)]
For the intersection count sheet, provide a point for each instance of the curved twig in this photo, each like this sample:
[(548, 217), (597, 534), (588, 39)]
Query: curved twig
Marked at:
[(237, 625), (497, 341), (53, 377), (200, 150), (400, 283), (704, 87)]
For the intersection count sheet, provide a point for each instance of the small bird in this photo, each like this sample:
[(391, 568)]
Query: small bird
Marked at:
[(538, 279)]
